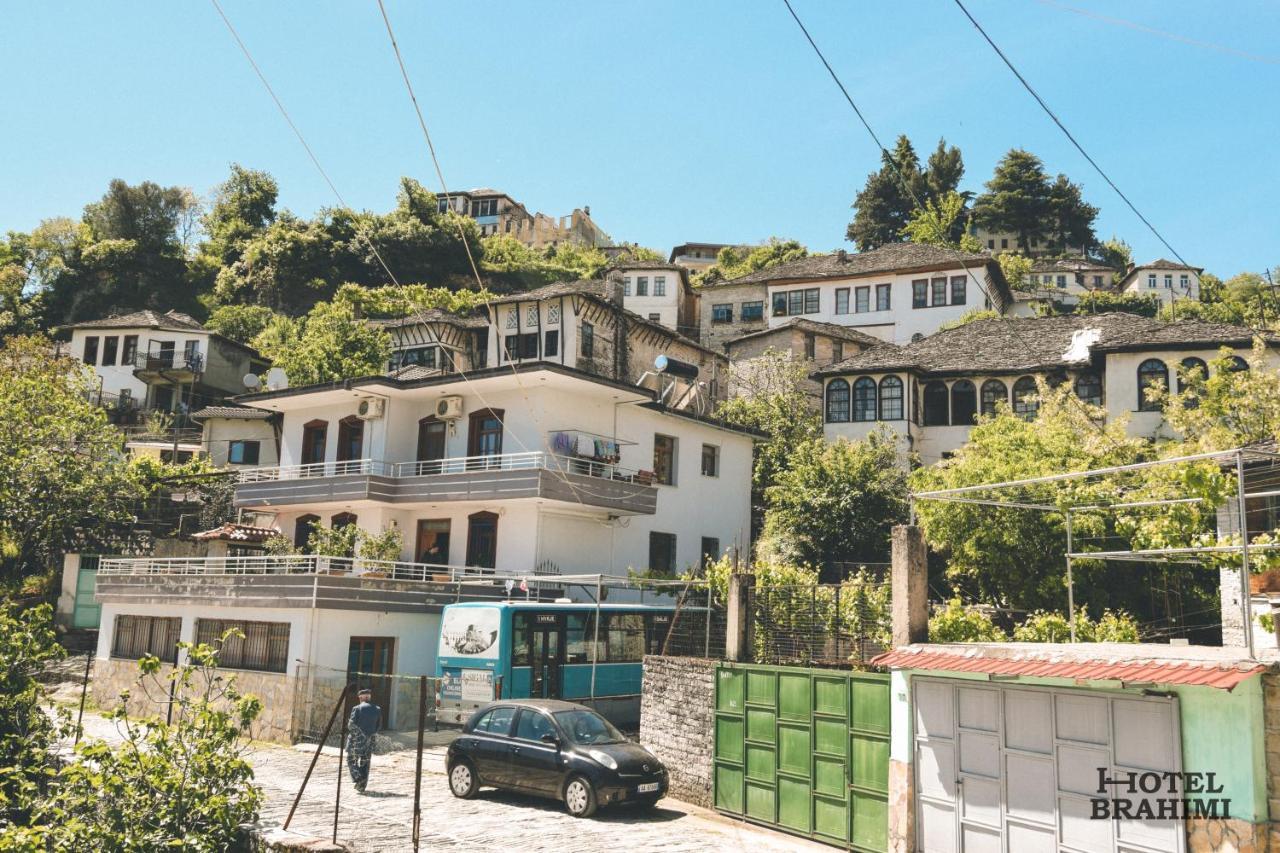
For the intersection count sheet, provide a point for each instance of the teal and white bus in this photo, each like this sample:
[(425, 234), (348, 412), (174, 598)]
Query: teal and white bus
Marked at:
[(519, 650)]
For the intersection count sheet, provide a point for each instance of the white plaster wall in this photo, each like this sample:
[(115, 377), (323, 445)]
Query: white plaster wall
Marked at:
[(1139, 285), (666, 306), (906, 321), (117, 377), (220, 432)]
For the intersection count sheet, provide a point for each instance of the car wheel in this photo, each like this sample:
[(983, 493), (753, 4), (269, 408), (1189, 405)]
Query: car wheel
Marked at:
[(580, 797), (462, 780)]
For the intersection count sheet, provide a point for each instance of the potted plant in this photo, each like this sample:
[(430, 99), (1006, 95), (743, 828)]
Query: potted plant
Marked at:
[(384, 547)]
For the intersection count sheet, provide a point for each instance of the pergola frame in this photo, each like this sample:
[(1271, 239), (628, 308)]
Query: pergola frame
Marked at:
[(989, 495)]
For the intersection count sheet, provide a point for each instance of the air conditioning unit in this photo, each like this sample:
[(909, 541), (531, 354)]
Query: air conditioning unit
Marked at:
[(371, 408), (449, 408)]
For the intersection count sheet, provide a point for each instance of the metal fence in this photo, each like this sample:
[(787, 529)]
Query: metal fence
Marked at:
[(317, 690), (843, 624)]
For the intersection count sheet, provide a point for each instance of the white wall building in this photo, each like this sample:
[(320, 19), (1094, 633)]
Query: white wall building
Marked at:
[(661, 294), (1166, 280)]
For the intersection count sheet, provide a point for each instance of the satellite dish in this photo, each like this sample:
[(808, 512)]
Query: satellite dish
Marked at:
[(251, 381), (277, 379)]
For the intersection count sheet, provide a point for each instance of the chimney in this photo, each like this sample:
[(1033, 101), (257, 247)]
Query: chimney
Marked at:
[(613, 287), (842, 256)]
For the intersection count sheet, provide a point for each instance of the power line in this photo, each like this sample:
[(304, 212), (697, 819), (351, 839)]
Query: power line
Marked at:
[(1063, 128)]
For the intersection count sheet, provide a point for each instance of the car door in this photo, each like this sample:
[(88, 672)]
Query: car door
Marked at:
[(492, 743), (534, 765)]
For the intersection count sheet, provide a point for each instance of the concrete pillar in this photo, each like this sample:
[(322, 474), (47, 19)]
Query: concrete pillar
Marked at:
[(738, 632), (910, 586)]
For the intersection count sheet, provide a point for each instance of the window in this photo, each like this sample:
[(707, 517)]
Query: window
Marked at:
[(1062, 281), (513, 318), (624, 639), (659, 285), (243, 452), (862, 300), (484, 207), (964, 403), (302, 529), (1004, 242), (864, 399), (723, 313), (1191, 366), (842, 300), (91, 350), (626, 287), (442, 205), (662, 552), (496, 722), (991, 244), (938, 294), (350, 439), (1152, 374), (343, 519), (588, 340), (664, 459), (751, 311), (1026, 398), (484, 433), (1089, 388), (418, 356), (1151, 281), (642, 285), (129, 354), (553, 314), (1184, 282), (138, 636), (837, 351), (482, 540), (191, 353), (1168, 281), (837, 401), (524, 345), (797, 302), (1097, 281), (433, 541), (994, 392), (314, 436), (882, 296), (920, 293), (779, 304), (656, 318), (264, 646), (810, 345), (710, 460), (533, 725), (1238, 364), (551, 343), (891, 399), (935, 404), (109, 345), (959, 286), (710, 550), (811, 301)]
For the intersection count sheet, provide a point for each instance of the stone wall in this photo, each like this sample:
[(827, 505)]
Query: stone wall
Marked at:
[(113, 676), (715, 335), (677, 719)]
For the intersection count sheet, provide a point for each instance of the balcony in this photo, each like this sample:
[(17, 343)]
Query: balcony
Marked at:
[(168, 365), (507, 476), (305, 580)]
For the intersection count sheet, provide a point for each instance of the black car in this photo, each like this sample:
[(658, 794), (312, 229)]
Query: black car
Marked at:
[(553, 749)]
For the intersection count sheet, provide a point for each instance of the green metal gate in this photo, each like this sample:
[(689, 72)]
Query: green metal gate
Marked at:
[(804, 750), (87, 611)]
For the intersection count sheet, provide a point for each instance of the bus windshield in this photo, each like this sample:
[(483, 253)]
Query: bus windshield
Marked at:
[(587, 728)]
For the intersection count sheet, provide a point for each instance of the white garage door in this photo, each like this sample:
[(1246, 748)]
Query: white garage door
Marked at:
[(1013, 769)]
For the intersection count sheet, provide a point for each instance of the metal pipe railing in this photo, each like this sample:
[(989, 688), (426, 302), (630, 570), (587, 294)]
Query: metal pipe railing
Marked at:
[(302, 564), (531, 460)]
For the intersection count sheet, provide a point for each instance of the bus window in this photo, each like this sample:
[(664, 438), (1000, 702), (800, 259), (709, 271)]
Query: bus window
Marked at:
[(520, 639), (626, 637), (659, 625), (575, 639)]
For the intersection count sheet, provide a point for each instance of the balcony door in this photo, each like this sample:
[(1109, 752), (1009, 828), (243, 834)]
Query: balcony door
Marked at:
[(431, 445), (314, 437), (484, 437), (350, 439), (433, 541), (370, 663), (482, 540)]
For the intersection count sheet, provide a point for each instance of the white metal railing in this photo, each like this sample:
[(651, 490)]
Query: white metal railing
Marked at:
[(297, 564), (532, 460)]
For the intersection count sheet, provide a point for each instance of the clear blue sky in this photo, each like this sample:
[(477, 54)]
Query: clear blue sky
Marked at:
[(675, 121)]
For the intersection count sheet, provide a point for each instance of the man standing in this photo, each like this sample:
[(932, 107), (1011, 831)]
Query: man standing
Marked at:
[(366, 718)]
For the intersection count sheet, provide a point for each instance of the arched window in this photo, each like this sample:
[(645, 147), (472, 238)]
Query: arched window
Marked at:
[(302, 531), (1238, 364), (994, 392), (342, 519), (864, 399), (350, 439), (964, 403), (1026, 398), (935, 404), (891, 399), (1152, 375), (1089, 388), (837, 401), (1189, 367)]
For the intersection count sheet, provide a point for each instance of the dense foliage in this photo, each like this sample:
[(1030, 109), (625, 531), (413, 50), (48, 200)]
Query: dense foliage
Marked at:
[(1022, 200), (27, 734), (884, 206), (736, 261)]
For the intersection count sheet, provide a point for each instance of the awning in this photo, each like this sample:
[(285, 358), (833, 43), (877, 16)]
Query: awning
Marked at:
[(1132, 664)]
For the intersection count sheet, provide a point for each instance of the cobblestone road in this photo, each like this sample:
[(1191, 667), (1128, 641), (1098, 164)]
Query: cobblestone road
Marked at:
[(381, 819)]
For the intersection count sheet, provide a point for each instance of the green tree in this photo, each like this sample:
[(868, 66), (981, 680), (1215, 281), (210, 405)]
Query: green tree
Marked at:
[(519, 267), (1103, 301), (1018, 199), (328, 345), (1016, 269), (1044, 626), (956, 623), (1246, 299), (1072, 217), (883, 206), (836, 502), (941, 222), (240, 323), (943, 171), (27, 734), (1116, 254), (736, 261)]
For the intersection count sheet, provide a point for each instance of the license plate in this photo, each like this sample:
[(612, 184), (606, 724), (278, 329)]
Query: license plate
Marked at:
[(647, 788)]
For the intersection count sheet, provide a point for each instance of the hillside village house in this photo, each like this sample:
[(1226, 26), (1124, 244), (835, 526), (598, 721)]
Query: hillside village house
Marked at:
[(819, 344), (697, 257), (661, 293), (237, 437), (895, 293), (930, 392), (495, 212), (1164, 279), (532, 469), (148, 363)]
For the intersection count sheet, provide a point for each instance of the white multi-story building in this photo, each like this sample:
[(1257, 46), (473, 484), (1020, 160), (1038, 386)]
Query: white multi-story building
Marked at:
[(930, 393), (1166, 280), (661, 294)]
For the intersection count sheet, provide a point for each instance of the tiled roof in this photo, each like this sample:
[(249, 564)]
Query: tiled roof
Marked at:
[(1165, 264), (646, 265), (888, 258), (1069, 265), (1136, 663), (1017, 344), (233, 412), (432, 315), (591, 287), (833, 329), (147, 319), (232, 532)]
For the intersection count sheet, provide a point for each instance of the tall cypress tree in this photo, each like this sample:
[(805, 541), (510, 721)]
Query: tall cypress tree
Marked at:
[(1018, 199)]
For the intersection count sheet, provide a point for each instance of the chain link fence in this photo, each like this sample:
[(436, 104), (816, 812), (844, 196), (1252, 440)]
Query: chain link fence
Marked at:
[(318, 689), (843, 624)]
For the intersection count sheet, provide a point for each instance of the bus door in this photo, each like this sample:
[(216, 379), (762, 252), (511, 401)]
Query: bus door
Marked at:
[(546, 656)]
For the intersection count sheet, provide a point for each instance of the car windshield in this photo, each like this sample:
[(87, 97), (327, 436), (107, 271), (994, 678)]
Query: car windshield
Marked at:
[(587, 727)]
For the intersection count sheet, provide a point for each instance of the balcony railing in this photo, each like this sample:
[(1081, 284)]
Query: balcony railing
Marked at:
[(532, 460), (315, 469), (302, 564), (157, 360)]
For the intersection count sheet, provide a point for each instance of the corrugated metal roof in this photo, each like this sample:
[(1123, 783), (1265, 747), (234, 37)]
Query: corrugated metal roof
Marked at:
[(1220, 668)]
